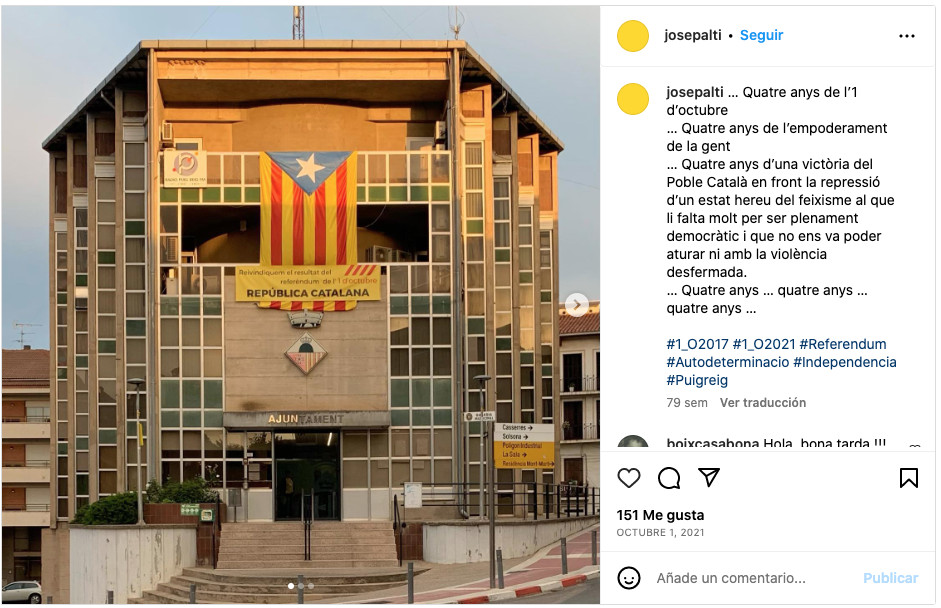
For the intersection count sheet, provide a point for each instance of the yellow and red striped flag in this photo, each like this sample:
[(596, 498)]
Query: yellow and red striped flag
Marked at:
[(308, 215)]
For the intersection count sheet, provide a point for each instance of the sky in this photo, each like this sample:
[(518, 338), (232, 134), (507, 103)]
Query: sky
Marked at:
[(51, 58)]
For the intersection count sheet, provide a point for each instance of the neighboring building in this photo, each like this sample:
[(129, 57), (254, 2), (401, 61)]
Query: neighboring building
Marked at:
[(26, 454), (456, 202), (580, 395)]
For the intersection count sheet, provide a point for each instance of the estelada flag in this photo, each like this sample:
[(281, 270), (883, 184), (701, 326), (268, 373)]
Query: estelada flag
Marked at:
[(308, 214)]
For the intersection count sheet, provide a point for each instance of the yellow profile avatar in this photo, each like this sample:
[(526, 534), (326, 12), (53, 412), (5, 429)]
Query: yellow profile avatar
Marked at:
[(633, 98), (633, 36)]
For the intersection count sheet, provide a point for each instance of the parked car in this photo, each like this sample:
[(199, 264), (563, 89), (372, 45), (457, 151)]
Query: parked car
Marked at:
[(26, 592)]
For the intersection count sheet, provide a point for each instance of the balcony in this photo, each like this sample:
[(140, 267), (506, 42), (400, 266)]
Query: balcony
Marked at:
[(29, 471), (580, 432), (26, 427), (7, 419), (580, 385), (26, 515)]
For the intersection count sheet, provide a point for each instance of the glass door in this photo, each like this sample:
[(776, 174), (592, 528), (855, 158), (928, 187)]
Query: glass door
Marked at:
[(307, 464)]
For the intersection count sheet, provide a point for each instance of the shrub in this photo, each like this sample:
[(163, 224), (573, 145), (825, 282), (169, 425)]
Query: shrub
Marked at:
[(190, 491), (110, 510)]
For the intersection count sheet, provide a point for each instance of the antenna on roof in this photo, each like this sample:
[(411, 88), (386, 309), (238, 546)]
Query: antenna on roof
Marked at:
[(21, 327), (458, 23), (297, 30)]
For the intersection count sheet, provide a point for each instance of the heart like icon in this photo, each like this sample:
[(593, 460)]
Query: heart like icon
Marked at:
[(629, 477)]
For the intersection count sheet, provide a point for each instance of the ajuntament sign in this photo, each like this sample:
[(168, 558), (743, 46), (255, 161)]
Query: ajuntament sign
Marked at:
[(301, 420)]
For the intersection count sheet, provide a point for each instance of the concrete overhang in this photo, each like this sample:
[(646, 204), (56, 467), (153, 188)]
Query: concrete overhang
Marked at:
[(133, 68)]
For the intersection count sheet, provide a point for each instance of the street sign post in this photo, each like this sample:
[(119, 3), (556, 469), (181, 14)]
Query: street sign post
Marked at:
[(524, 446)]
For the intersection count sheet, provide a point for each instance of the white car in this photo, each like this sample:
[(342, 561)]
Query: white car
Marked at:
[(28, 592)]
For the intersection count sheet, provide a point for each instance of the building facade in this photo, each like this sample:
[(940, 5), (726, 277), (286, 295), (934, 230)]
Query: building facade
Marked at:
[(26, 462), (455, 204), (580, 396)]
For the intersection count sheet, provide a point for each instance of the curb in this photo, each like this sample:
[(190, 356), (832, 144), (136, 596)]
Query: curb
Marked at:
[(507, 594)]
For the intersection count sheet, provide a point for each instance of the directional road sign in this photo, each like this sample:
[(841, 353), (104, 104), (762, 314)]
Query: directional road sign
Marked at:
[(523, 446)]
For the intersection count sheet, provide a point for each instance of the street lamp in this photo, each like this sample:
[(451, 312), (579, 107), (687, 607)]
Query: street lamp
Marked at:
[(482, 380), (492, 506), (137, 382)]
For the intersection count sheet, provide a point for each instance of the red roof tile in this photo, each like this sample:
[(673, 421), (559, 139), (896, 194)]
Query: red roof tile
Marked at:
[(25, 368), (586, 324)]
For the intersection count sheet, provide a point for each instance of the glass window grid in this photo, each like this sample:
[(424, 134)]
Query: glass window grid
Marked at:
[(186, 464), (406, 416), (526, 287), (105, 326), (503, 307), (378, 477), (133, 369), (546, 323), (184, 397), (233, 179), (417, 176), (80, 274), (59, 390), (81, 419), (425, 177), (473, 185)]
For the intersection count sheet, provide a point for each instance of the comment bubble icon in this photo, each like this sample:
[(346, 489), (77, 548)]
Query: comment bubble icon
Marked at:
[(669, 478)]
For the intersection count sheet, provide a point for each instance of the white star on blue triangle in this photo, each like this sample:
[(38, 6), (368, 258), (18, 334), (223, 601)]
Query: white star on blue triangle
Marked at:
[(309, 169)]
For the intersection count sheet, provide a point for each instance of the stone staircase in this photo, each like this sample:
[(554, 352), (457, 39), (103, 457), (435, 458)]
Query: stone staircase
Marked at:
[(270, 587), (281, 545), (257, 561)]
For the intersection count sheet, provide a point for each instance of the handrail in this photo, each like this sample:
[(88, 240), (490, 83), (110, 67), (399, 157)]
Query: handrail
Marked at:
[(381, 169), (308, 522), (27, 463), (43, 507), (26, 419), (397, 526), (532, 500), (587, 430), (579, 384)]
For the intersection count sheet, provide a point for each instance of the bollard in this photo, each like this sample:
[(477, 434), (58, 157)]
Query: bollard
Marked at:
[(565, 559), (300, 588), (110, 597), (411, 582), (192, 593), (500, 568), (594, 547)]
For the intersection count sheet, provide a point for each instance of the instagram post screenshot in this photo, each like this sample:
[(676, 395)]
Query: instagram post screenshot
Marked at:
[(302, 304)]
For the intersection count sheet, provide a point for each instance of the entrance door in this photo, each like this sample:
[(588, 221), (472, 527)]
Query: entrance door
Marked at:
[(307, 464)]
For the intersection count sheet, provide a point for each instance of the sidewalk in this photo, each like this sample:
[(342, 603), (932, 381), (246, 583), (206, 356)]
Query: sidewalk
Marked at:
[(470, 583)]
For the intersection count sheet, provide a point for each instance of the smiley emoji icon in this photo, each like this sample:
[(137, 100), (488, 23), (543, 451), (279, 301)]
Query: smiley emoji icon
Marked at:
[(628, 577)]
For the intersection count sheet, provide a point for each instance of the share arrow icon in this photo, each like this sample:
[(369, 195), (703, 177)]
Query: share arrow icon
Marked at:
[(710, 475)]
